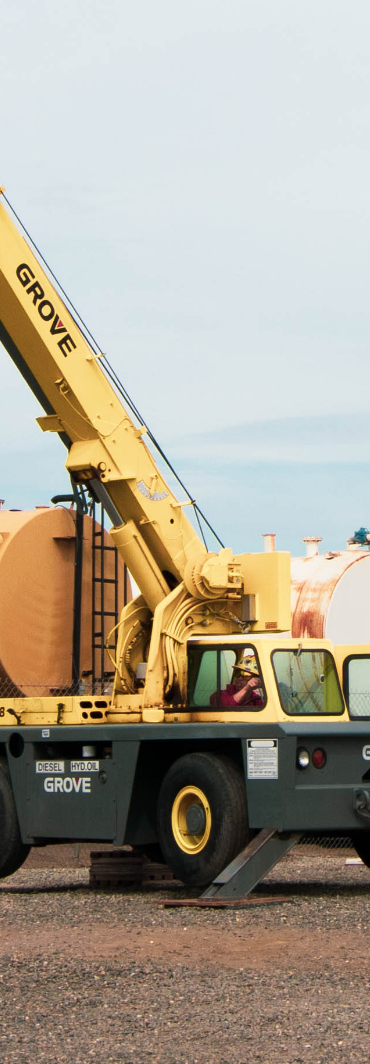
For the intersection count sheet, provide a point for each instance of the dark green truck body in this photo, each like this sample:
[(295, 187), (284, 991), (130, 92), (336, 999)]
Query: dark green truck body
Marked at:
[(111, 796)]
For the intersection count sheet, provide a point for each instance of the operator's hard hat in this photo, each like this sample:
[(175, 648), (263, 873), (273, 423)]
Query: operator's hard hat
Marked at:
[(248, 665)]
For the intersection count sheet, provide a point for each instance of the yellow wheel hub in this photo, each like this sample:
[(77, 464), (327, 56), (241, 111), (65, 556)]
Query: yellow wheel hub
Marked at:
[(191, 820)]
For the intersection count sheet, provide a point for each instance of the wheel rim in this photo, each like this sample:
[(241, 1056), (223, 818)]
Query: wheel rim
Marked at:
[(191, 805)]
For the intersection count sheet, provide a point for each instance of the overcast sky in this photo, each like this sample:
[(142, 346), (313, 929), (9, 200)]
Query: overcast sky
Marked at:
[(198, 177)]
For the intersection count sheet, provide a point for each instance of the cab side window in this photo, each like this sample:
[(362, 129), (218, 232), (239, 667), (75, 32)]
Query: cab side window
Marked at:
[(216, 675), (203, 672), (357, 686), (227, 663)]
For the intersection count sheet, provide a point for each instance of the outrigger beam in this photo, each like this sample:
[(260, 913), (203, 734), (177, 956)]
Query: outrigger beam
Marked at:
[(252, 864)]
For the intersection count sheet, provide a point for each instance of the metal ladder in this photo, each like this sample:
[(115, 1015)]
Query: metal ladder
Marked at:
[(102, 672)]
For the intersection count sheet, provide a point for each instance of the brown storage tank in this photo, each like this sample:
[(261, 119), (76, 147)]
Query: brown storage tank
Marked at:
[(37, 570), (331, 595)]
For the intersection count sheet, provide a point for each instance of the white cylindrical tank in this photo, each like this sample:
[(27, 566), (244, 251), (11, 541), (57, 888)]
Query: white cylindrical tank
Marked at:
[(331, 596)]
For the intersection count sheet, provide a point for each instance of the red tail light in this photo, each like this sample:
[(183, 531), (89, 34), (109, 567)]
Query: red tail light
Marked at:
[(319, 757)]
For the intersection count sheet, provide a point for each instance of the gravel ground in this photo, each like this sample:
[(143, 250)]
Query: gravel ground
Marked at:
[(88, 975)]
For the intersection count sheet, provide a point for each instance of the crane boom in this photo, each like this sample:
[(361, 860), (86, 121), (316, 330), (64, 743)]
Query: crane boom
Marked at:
[(171, 566), (81, 405)]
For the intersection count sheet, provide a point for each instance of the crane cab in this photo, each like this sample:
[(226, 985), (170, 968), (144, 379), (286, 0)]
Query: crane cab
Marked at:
[(290, 679)]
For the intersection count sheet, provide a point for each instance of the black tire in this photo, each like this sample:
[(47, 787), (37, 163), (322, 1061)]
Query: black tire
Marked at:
[(205, 792), (361, 843), (13, 851)]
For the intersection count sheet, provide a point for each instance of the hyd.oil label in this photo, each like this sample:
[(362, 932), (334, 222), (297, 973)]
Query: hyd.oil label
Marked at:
[(85, 766), (262, 759)]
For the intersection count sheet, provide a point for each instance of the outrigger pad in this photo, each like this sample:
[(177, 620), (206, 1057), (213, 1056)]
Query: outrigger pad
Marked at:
[(221, 903)]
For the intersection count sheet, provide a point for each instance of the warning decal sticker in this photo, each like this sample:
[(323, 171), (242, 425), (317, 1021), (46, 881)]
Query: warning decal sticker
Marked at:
[(262, 759)]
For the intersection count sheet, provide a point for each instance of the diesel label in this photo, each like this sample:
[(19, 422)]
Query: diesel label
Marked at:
[(49, 766)]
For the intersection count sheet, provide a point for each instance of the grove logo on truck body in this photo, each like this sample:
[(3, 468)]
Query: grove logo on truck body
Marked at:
[(45, 308), (67, 785)]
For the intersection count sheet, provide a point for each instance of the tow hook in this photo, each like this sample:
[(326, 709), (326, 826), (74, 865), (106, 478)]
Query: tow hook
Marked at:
[(361, 802)]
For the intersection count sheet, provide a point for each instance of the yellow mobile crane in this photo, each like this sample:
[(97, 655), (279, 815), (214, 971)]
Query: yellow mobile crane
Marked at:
[(186, 751)]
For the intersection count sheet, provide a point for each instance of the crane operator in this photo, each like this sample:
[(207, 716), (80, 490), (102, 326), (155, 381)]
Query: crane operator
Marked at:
[(245, 688)]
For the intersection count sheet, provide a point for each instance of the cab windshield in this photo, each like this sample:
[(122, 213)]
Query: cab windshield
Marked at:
[(307, 682)]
